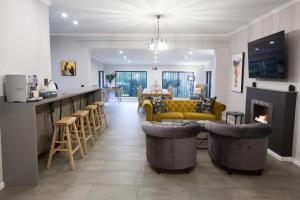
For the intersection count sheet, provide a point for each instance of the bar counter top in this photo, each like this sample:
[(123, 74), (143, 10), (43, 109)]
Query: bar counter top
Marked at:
[(60, 95)]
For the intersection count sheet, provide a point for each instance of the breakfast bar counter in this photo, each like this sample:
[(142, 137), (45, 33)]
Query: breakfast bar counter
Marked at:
[(27, 129)]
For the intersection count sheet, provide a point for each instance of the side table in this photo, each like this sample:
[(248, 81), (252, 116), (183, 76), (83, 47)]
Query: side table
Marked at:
[(235, 115)]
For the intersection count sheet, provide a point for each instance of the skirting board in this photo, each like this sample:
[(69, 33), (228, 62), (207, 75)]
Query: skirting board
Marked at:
[(1, 185), (284, 159)]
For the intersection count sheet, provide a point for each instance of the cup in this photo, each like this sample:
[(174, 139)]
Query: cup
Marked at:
[(35, 94)]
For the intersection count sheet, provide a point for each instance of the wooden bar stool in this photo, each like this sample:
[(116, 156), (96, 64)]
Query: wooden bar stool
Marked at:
[(94, 119), (101, 112), (84, 128), (67, 125)]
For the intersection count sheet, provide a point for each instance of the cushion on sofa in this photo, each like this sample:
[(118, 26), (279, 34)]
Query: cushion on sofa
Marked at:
[(205, 105), (168, 115), (199, 116), (158, 105)]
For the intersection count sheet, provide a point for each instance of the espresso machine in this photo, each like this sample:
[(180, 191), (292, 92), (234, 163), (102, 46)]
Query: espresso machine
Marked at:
[(19, 88)]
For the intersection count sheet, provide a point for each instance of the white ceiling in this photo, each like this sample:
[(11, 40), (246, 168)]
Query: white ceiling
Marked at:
[(138, 16), (145, 57)]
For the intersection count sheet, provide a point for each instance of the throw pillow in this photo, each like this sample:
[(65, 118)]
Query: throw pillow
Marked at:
[(158, 105), (205, 105)]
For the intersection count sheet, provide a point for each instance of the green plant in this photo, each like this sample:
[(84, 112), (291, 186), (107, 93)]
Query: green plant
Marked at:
[(110, 77)]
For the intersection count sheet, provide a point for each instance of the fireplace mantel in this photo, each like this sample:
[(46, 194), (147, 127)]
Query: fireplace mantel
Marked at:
[(283, 116)]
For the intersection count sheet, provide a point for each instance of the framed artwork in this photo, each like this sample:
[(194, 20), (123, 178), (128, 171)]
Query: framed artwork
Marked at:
[(237, 72), (68, 68)]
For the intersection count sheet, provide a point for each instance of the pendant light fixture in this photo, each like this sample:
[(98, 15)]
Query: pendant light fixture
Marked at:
[(158, 43)]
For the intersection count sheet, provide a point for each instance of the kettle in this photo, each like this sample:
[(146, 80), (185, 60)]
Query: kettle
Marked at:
[(52, 86)]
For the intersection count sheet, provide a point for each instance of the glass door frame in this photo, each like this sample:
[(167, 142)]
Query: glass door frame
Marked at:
[(128, 71), (192, 84)]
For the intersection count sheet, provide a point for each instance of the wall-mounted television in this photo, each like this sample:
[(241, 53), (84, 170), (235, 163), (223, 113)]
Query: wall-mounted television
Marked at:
[(267, 57)]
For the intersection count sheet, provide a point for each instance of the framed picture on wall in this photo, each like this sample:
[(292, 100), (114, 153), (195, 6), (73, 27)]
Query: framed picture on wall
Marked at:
[(68, 68), (237, 72)]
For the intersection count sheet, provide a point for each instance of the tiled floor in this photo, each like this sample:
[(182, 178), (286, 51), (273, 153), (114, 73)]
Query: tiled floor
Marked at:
[(116, 168)]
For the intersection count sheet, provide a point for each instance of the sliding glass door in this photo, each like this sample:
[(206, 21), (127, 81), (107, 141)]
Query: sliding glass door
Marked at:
[(179, 81), (130, 80)]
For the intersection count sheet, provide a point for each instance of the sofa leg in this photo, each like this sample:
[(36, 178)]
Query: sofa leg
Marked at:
[(158, 170), (259, 172), (187, 171), (229, 171)]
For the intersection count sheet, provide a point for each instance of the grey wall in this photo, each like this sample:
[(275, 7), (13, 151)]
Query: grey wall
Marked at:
[(285, 19)]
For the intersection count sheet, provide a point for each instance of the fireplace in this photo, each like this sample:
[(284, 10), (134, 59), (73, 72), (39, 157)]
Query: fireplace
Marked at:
[(261, 112), (277, 109)]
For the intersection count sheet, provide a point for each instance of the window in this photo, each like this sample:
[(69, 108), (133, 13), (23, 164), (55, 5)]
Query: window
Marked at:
[(101, 79), (180, 82), (130, 80)]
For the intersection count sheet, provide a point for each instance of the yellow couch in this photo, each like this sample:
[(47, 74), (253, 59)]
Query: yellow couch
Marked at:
[(182, 109)]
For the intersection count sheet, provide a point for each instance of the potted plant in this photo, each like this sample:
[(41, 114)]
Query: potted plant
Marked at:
[(110, 77)]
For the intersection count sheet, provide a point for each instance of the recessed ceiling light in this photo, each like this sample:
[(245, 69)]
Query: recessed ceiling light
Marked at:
[(156, 52), (125, 57), (64, 15), (75, 22), (271, 42), (185, 57), (256, 49), (191, 52), (120, 52)]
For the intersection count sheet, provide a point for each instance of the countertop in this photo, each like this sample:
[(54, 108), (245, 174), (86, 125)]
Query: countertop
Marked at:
[(61, 95)]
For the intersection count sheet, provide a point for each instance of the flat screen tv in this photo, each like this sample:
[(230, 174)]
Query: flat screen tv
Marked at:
[(267, 57)]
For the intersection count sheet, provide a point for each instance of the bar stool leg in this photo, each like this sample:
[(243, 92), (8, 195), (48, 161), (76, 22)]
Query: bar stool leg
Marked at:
[(103, 115), (78, 140), (69, 145), (98, 121), (82, 131), (52, 150), (89, 129), (94, 124)]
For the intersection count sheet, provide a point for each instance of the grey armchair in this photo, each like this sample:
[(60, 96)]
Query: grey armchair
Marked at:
[(171, 146), (241, 147)]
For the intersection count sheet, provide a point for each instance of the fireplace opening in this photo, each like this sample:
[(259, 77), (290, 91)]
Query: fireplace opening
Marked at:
[(261, 112)]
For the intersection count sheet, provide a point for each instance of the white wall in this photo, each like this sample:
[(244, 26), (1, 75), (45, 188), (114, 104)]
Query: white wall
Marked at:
[(153, 75), (96, 67), (285, 19), (67, 49), (24, 39), (24, 42)]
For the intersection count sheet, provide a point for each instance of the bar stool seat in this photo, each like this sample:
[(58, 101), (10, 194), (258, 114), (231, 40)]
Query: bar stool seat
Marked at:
[(101, 112), (94, 119), (65, 121), (84, 128), (63, 142)]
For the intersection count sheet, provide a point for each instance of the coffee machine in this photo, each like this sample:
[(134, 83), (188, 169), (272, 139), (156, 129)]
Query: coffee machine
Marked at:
[(18, 88)]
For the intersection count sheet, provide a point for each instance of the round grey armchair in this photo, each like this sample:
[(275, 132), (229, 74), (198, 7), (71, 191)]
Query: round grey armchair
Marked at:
[(240, 147), (171, 146)]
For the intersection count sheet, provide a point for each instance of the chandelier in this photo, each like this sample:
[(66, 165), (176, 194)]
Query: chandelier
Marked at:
[(158, 43)]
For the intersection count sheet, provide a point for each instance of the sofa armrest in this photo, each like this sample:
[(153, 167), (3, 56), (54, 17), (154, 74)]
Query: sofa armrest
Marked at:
[(148, 108), (218, 109)]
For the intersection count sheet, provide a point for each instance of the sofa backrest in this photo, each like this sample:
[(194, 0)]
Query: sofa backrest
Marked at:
[(180, 105)]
